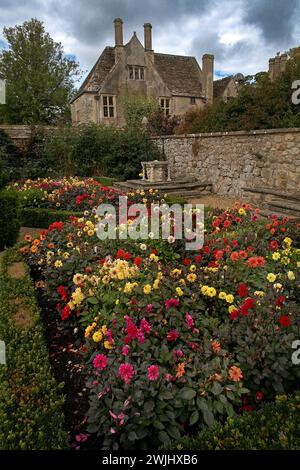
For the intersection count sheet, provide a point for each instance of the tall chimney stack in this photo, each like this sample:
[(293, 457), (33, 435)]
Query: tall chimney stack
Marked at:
[(208, 76), (148, 37), (118, 32), (271, 68)]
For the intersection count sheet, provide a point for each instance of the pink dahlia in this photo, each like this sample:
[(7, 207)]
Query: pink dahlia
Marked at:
[(189, 320), (126, 372), (171, 303), (100, 361), (153, 373)]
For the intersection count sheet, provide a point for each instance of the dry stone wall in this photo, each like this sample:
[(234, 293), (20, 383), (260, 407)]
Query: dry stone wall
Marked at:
[(236, 160)]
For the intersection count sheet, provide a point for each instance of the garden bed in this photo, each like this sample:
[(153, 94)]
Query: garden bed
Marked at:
[(155, 343)]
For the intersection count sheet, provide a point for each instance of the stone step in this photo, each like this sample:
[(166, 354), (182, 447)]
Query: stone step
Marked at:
[(281, 215), (269, 193), (188, 194), (285, 206), (167, 187)]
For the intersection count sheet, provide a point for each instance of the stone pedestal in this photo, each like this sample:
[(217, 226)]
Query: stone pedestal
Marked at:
[(156, 171)]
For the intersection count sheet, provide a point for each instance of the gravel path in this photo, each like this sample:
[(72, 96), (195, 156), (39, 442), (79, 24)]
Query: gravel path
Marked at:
[(214, 201)]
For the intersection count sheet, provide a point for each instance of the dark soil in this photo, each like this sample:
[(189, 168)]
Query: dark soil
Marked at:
[(67, 365)]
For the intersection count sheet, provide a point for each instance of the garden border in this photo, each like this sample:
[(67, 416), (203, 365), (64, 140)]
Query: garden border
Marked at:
[(31, 401)]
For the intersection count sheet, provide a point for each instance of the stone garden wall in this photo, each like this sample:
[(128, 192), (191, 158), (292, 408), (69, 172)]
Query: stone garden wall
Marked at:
[(234, 160)]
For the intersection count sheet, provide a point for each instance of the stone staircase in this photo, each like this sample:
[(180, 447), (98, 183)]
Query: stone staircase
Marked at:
[(186, 188), (274, 201)]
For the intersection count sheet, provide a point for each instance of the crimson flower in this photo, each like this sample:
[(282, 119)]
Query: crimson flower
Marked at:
[(65, 313), (243, 290), (172, 335), (285, 321)]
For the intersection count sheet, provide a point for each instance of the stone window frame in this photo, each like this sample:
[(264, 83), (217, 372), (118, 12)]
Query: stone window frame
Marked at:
[(108, 106), (165, 104), (136, 72), (192, 100)]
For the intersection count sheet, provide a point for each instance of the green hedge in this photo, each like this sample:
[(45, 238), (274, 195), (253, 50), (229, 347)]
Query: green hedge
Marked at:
[(105, 180), (30, 399), (9, 218), (42, 218), (276, 426)]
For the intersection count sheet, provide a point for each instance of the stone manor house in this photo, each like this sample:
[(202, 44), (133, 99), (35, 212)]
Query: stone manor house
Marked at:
[(178, 83)]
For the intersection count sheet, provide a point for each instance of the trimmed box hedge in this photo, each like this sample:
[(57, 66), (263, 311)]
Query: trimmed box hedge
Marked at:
[(42, 217), (9, 218), (276, 426), (31, 401)]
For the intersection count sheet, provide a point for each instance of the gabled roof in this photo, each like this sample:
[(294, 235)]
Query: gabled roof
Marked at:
[(220, 86), (99, 72), (181, 74)]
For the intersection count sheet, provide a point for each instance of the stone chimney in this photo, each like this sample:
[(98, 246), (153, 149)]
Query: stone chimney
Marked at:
[(208, 77), (271, 68), (148, 37), (283, 61), (119, 47), (277, 61), (118, 32), (149, 53)]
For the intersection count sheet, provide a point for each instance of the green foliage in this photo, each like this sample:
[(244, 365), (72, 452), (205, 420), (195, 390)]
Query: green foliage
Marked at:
[(92, 149), (30, 400), (136, 107), (105, 180), (261, 104), (275, 427), (42, 218), (9, 218), (39, 77)]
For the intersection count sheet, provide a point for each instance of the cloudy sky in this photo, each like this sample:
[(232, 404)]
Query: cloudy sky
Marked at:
[(242, 34)]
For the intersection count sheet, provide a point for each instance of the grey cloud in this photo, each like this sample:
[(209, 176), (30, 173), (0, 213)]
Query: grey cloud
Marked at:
[(89, 26), (275, 18)]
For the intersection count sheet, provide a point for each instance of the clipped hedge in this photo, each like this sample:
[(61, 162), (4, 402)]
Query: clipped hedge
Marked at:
[(30, 400), (276, 426), (9, 218), (42, 217)]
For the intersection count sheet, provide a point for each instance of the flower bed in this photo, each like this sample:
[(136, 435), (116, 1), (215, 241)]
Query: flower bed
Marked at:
[(172, 342)]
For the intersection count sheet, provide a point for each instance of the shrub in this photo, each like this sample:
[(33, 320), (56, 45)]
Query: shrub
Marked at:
[(9, 218), (274, 427), (92, 149), (30, 400), (42, 218)]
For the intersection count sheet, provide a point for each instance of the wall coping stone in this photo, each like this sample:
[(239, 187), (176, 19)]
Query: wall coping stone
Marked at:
[(293, 130)]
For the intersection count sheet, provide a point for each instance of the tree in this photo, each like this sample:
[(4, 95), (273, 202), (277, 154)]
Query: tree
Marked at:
[(261, 104), (39, 77), (136, 106)]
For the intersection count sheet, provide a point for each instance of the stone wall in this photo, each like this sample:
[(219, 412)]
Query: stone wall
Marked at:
[(19, 134), (235, 160)]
